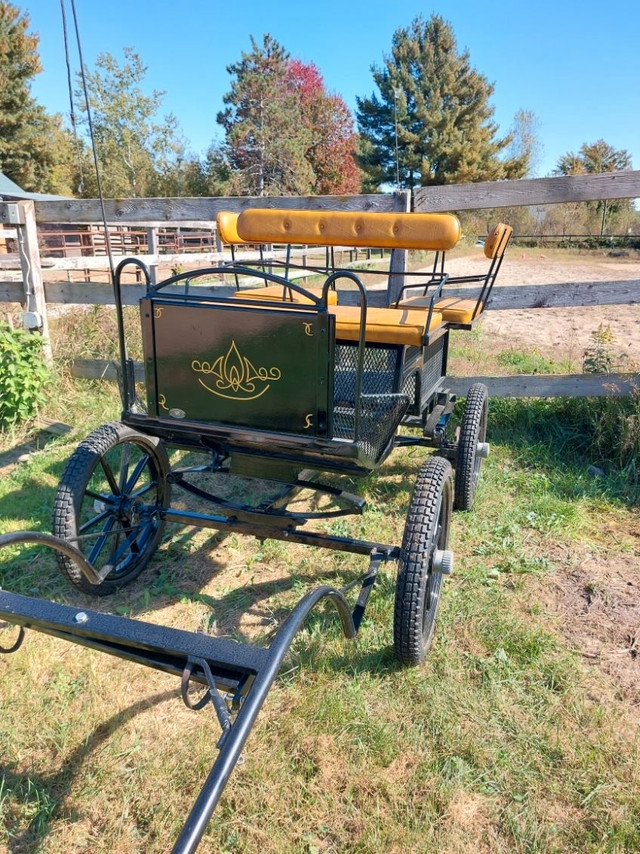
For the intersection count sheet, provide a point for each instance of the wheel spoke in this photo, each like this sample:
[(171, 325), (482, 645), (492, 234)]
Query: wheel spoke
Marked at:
[(102, 540), (135, 475), (95, 521), (108, 473)]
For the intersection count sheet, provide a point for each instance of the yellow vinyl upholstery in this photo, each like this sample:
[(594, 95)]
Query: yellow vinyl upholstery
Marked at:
[(278, 292), (397, 326), (497, 240), (453, 310), (227, 223), (436, 232)]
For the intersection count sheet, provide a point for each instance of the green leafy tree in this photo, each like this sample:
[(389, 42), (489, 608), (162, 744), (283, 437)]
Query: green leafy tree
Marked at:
[(138, 153), (265, 140), (593, 159), (35, 151), (208, 176), (432, 121)]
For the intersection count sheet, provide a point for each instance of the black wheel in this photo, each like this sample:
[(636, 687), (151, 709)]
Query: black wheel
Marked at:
[(107, 505), (472, 447), (424, 559)]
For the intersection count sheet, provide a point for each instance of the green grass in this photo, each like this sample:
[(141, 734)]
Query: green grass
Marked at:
[(506, 740)]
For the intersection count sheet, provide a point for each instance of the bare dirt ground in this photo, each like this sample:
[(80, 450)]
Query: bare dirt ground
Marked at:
[(560, 333)]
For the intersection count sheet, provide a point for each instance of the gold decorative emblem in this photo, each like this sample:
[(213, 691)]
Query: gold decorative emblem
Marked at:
[(162, 400), (236, 378), (308, 329), (308, 421), (157, 311)]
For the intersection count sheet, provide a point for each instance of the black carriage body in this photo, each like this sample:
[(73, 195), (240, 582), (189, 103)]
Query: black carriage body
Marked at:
[(215, 363), (269, 386)]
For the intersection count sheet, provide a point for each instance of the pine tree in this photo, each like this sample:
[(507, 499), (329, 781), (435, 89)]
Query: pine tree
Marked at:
[(34, 150), (265, 140), (432, 122)]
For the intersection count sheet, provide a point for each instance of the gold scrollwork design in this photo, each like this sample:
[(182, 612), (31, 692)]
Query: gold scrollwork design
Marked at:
[(236, 377), (308, 421), (162, 400), (308, 329), (157, 311)]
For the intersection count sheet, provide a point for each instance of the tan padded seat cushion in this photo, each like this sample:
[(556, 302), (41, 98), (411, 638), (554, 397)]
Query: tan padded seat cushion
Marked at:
[(437, 232), (277, 292), (384, 325), (497, 239), (227, 223), (453, 310)]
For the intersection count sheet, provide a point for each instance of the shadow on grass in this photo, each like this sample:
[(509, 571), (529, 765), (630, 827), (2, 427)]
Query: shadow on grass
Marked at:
[(46, 793)]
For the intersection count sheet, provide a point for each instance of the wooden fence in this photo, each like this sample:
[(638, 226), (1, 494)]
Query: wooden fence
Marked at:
[(34, 296)]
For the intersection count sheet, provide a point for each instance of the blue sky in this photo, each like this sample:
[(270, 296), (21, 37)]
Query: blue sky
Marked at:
[(573, 64)]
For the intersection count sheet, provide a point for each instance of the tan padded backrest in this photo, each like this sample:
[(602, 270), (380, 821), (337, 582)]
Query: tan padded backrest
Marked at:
[(497, 240), (437, 232), (227, 222)]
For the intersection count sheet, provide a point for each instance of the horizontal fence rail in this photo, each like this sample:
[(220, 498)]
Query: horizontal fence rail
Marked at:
[(200, 213), (534, 191)]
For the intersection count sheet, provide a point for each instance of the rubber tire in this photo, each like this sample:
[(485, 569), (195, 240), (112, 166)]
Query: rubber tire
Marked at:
[(126, 454), (473, 429), (418, 584)]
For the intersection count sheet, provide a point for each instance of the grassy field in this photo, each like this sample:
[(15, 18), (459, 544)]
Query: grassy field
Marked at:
[(518, 734)]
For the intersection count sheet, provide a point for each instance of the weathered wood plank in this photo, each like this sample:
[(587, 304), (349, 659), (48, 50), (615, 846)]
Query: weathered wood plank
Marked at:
[(566, 295), (533, 191), (562, 295), (101, 262), (575, 385), (571, 385), (196, 212), (12, 292)]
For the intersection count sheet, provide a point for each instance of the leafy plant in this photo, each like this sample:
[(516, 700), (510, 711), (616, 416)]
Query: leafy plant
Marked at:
[(23, 374), (599, 357)]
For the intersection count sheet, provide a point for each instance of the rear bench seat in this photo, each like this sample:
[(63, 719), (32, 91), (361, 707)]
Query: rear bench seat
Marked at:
[(227, 223), (393, 326)]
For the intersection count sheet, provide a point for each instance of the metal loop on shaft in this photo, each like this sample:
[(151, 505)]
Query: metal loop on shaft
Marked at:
[(17, 644)]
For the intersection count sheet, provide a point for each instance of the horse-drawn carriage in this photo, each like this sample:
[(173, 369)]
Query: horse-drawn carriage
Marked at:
[(284, 382)]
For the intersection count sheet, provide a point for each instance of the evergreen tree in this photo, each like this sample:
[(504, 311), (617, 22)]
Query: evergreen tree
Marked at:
[(35, 151), (265, 140), (432, 122)]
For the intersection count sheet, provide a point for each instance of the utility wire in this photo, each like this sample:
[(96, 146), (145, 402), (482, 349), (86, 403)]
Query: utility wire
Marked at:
[(72, 112), (93, 142)]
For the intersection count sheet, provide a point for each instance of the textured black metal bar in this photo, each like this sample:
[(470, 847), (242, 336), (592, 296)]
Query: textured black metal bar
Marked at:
[(160, 647), (232, 746), (308, 538), (367, 586)]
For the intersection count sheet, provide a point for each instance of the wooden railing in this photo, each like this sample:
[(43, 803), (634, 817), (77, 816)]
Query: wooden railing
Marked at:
[(201, 213)]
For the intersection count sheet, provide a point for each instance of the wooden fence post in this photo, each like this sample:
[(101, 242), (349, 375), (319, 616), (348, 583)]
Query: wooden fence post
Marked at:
[(153, 249), (35, 306), (398, 265)]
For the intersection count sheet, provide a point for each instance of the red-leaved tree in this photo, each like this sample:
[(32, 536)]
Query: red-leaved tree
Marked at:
[(331, 152)]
